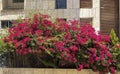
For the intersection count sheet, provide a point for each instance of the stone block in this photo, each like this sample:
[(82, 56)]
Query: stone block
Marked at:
[(60, 71), (41, 11), (54, 14), (85, 13), (76, 3), (69, 4), (45, 4), (73, 13), (72, 71), (49, 71), (60, 13), (51, 4), (39, 4), (96, 3), (27, 5), (84, 72), (38, 71), (66, 13), (1, 70), (33, 5)]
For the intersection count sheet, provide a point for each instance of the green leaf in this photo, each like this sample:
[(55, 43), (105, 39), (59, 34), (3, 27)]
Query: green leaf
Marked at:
[(48, 52), (48, 64), (113, 37)]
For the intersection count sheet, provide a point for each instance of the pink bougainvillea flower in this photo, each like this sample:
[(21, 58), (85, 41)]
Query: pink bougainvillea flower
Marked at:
[(27, 39), (80, 67), (30, 50), (112, 70), (38, 32), (59, 45), (74, 48), (93, 50), (71, 42)]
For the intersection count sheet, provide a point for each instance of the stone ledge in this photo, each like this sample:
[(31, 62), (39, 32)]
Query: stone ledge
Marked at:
[(45, 71)]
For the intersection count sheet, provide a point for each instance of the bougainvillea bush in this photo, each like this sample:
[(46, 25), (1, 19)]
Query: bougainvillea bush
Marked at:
[(62, 44)]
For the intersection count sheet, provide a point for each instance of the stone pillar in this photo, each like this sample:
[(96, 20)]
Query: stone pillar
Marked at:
[(73, 7), (3, 4), (25, 2), (96, 14)]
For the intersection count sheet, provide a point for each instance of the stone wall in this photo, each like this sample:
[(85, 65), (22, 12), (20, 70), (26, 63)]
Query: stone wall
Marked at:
[(73, 10), (48, 7)]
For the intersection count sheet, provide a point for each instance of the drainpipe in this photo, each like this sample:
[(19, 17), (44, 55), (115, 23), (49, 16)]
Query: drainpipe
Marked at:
[(119, 19)]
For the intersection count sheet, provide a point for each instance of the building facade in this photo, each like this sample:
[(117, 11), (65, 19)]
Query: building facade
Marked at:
[(102, 14)]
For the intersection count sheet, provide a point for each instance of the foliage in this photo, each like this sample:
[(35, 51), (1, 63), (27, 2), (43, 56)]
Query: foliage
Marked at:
[(114, 38), (115, 48), (63, 43), (3, 46)]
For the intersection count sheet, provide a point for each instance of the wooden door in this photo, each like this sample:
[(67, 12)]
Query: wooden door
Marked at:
[(109, 16)]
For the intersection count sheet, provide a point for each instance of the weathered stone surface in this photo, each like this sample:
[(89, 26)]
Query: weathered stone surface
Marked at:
[(71, 71), (45, 71), (72, 11), (66, 13), (49, 71), (45, 4), (69, 4), (60, 71), (76, 4), (60, 13), (1, 71), (51, 4), (39, 71), (84, 72), (39, 4), (54, 13)]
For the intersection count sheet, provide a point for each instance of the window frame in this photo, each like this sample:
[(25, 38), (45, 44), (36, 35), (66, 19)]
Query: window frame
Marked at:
[(58, 6), (18, 1), (6, 24), (87, 20)]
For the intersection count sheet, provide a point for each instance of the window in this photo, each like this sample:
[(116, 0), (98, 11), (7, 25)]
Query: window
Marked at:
[(17, 1), (5, 24), (86, 20), (85, 3), (64, 19), (61, 4)]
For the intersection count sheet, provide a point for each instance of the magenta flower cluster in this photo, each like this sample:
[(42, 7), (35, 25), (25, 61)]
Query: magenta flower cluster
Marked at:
[(69, 41)]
